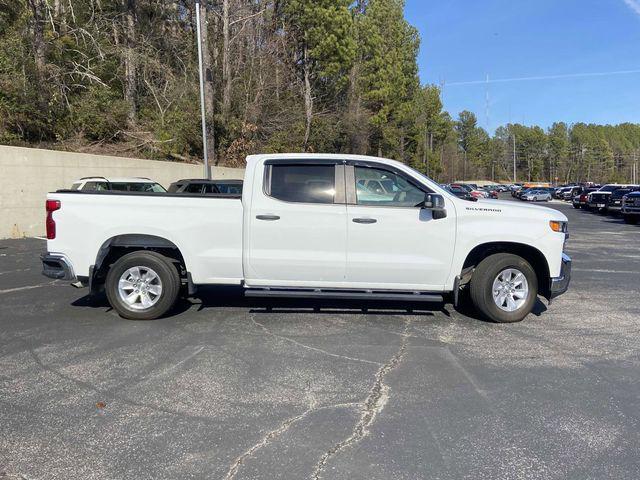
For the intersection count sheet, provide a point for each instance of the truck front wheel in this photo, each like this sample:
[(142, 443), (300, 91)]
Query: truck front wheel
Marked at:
[(142, 285), (504, 288)]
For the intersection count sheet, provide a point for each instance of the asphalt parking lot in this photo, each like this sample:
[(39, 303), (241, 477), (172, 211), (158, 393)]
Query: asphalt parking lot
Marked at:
[(235, 389)]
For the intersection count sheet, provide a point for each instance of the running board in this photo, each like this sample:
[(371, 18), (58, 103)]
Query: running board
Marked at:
[(343, 295)]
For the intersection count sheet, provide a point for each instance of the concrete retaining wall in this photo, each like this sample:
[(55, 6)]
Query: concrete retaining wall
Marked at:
[(27, 174)]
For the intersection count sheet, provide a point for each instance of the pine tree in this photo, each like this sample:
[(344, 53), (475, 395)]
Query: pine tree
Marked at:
[(325, 47), (389, 73)]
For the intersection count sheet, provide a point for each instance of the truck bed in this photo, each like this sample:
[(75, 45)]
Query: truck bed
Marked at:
[(208, 228)]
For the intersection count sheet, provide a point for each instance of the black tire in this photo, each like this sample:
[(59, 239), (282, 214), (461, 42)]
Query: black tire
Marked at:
[(165, 270), (576, 206), (630, 219), (482, 286)]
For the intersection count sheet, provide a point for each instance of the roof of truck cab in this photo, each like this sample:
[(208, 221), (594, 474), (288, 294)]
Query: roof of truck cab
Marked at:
[(251, 159)]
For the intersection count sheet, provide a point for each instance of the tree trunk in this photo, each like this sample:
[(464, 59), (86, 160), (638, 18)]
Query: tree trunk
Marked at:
[(208, 84), (357, 125), (464, 167), (226, 61), (130, 64), (38, 11), (308, 99)]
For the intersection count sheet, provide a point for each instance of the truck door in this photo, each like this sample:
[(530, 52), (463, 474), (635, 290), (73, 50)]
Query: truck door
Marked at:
[(391, 242), (297, 225)]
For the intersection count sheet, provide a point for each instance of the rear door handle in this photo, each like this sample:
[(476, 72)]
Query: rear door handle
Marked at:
[(365, 220), (269, 218)]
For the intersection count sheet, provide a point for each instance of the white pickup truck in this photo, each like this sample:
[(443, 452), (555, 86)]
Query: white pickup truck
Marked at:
[(310, 226)]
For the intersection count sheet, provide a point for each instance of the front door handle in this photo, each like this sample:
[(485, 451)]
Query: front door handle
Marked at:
[(269, 218), (365, 220)]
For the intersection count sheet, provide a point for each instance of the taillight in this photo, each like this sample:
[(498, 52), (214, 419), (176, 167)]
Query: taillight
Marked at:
[(51, 206)]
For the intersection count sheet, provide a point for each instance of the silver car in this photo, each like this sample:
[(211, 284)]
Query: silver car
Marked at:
[(537, 196)]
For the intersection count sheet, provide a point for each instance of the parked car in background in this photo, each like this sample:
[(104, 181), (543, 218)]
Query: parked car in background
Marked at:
[(473, 192), (460, 192), (580, 200), (559, 193), (536, 195), (599, 200), (522, 192), (492, 190), (631, 207), (614, 207), (120, 184), (202, 186), (515, 189), (476, 188), (568, 195)]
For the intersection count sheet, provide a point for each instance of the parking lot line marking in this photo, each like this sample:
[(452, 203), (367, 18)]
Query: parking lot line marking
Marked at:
[(309, 347), (40, 238), (597, 270), (28, 287), (16, 271), (194, 351)]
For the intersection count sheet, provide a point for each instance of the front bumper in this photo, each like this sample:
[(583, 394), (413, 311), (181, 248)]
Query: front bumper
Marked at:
[(614, 207), (57, 266), (630, 210), (559, 285), (597, 205)]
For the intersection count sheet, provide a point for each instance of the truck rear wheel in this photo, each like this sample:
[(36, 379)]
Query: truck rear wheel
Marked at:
[(504, 288), (142, 285)]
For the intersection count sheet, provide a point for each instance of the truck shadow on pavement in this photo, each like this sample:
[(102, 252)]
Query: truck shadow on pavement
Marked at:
[(225, 297)]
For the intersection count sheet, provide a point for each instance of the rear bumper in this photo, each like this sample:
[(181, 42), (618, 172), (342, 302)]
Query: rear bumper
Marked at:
[(57, 266), (559, 285)]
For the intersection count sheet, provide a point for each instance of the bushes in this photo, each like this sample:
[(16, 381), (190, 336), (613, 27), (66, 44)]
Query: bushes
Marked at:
[(98, 114)]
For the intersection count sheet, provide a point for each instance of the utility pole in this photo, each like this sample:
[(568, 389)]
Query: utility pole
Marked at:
[(207, 170)]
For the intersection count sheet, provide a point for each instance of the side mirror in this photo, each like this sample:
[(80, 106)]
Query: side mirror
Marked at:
[(435, 203)]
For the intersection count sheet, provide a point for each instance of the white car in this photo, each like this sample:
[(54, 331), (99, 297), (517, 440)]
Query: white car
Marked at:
[(537, 196), (125, 184), (302, 228)]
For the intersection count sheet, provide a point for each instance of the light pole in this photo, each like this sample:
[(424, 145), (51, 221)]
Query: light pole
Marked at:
[(207, 171), (514, 157)]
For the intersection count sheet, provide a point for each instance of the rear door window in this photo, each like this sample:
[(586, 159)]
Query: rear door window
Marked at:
[(303, 183)]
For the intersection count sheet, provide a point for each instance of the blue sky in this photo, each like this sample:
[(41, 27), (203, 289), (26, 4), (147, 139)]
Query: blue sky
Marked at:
[(466, 40)]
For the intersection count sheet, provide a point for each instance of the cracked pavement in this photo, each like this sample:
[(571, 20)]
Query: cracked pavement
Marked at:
[(232, 388)]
